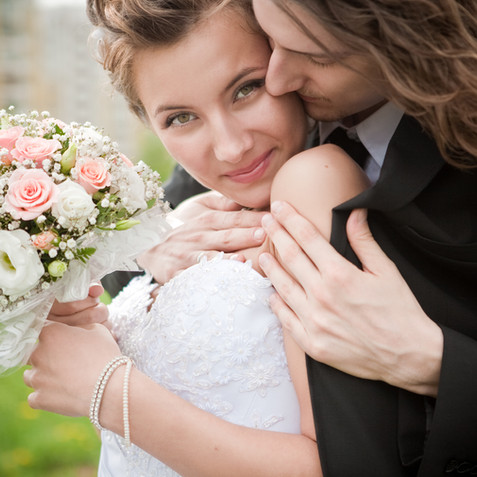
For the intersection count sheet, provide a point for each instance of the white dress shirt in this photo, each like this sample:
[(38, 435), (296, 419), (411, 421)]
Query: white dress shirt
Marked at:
[(375, 132)]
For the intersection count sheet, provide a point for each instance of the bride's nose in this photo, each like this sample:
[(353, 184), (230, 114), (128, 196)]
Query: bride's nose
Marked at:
[(232, 139)]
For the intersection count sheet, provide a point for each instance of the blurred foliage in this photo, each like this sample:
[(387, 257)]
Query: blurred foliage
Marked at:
[(153, 153), (41, 444), (106, 298)]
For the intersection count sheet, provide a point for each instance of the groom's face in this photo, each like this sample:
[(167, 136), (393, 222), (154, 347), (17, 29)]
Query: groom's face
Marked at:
[(331, 90)]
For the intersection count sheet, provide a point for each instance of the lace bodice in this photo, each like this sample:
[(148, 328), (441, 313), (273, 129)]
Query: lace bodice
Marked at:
[(211, 338)]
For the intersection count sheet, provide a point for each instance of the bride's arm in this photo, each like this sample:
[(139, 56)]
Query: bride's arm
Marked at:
[(194, 442), (197, 443), (313, 182)]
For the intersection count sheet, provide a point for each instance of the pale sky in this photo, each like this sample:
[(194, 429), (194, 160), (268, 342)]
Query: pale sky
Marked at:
[(56, 3)]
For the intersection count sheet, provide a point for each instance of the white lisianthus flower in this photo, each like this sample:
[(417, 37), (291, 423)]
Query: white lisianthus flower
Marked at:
[(132, 190), (74, 204), (20, 265)]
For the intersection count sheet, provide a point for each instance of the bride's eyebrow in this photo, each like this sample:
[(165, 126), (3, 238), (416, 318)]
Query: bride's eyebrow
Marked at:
[(245, 72), (170, 107)]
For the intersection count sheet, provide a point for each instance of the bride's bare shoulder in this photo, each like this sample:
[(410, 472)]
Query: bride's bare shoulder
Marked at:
[(317, 180)]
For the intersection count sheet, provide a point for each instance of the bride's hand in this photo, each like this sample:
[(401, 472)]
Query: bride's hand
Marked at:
[(82, 312), (210, 223), (364, 322), (65, 366)]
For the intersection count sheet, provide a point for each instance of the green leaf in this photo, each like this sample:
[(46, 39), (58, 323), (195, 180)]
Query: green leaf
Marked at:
[(84, 254)]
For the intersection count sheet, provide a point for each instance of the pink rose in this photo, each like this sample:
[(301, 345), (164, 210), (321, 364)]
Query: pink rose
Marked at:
[(30, 193), (93, 174), (35, 148), (44, 240), (126, 160), (8, 137)]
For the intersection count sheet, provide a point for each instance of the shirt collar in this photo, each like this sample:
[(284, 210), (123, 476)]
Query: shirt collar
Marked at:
[(375, 132)]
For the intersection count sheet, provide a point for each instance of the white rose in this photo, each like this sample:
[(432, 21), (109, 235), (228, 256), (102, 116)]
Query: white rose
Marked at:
[(74, 204), (20, 265)]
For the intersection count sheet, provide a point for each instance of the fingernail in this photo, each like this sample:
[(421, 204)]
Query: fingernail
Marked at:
[(361, 216), (267, 219), (95, 290), (276, 207), (263, 259), (259, 234)]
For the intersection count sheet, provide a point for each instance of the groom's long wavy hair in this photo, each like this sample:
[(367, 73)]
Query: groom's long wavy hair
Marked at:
[(125, 27), (426, 52)]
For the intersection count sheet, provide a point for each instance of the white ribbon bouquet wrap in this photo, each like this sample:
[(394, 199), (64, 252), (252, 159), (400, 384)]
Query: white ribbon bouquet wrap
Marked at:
[(72, 209)]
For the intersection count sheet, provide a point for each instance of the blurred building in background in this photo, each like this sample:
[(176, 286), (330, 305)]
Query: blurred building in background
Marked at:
[(46, 64)]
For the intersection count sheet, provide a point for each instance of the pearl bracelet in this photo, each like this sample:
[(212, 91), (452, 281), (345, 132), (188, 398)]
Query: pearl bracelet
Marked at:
[(99, 391), (127, 373)]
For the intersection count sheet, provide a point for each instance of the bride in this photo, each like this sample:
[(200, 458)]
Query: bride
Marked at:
[(217, 388)]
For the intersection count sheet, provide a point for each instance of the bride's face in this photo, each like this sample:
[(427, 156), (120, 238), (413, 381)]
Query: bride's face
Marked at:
[(205, 98)]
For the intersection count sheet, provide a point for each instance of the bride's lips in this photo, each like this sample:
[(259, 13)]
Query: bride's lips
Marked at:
[(253, 171)]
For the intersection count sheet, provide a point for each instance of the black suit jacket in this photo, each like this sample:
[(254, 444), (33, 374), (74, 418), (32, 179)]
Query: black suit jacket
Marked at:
[(423, 213)]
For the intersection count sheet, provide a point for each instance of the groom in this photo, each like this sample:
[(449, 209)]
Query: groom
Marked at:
[(390, 423)]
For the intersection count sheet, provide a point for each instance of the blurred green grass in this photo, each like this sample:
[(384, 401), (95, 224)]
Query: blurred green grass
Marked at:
[(41, 444)]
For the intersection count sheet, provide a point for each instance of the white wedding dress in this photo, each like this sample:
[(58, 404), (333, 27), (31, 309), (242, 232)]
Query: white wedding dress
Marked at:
[(211, 338)]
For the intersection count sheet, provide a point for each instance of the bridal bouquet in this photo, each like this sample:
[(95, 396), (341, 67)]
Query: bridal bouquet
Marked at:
[(72, 209)]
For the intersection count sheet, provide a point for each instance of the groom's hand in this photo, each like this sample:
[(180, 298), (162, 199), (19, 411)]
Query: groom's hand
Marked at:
[(365, 322), (81, 312)]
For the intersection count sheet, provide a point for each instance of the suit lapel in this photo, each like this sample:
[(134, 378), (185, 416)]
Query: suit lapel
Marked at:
[(412, 161)]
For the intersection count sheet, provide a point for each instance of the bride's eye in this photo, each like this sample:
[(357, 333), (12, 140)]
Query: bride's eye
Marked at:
[(180, 119), (248, 88)]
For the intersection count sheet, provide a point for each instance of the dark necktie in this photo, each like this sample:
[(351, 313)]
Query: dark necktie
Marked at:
[(353, 147)]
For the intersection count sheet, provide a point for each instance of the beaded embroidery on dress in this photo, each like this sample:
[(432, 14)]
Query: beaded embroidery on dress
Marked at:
[(211, 338)]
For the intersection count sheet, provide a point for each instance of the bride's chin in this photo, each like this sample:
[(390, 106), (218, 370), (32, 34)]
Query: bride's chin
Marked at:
[(260, 203), (251, 202)]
